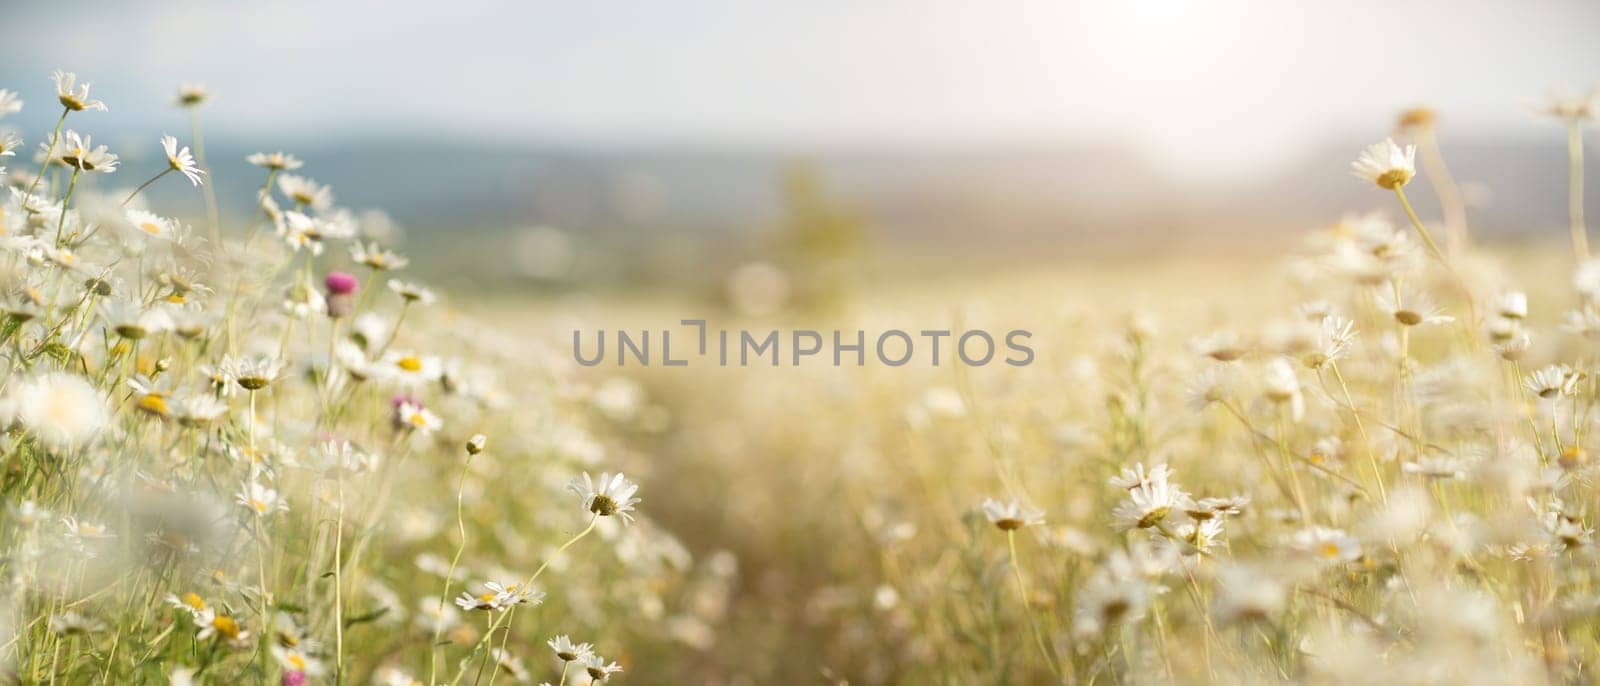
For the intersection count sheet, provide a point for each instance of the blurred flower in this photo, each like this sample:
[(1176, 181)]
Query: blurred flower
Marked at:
[(1386, 164), (1010, 515)]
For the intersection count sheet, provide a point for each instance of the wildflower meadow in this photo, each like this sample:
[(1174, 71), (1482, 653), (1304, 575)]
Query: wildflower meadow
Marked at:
[(259, 452)]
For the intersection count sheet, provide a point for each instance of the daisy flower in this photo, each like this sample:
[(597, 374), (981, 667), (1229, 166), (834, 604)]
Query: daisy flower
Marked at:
[(1148, 505), (305, 192), (74, 624), (73, 96), (85, 530), (1334, 336), (1553, 381), (567, 651), (192, 95), (1328, 545), (9, 103), (1136, 476), (510, 664), (1411, 308), (1222, 346), (1512, 305), (411, 292), (376, 257), (300, 231), (410, 369), (130, 320), (252, 373), (613, 497), (1571, 107), (220, 626), (414, 417), (61, 410), (260, 499), (150, 223), (1386, 164), (598, 668), (1010, 515), (180, 160), (189, 602), (79, 151), (296, 660), (277, 161), (9, 143)]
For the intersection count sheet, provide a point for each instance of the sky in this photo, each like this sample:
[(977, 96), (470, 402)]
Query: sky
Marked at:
[(1199, 88)]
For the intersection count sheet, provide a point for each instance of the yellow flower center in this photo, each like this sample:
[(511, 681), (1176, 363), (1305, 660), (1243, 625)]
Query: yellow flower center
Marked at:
[(193, 600), (410, 363), (1329, 550), (154, 404), (297, 662), (151, 228), (226, 626)]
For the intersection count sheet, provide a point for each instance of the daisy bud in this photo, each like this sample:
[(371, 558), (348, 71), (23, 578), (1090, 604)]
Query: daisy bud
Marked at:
[(476, 443)]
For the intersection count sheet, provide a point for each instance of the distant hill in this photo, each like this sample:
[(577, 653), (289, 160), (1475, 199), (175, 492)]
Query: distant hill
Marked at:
[(969, 202)]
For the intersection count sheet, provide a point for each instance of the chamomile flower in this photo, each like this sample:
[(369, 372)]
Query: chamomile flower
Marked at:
[(1512, 305), (135, 322), (1553, 381), (1222, 346), (261, 499), (1410, 308), (150, 224), (74, 624), (1148, 505), (1386, 164), (300, 232), (411, 292), (73, 96), (613, 497), (409, 369), (296, 660), (597, 667), (62, 410), (212, 624), (1010, 515), (567, 651), (412, 416), (190, 602), (1569, 107), (305, 192), (1334, 337), (9, 143), (9, 103), (1327, 545), (377, 258), (79, 151), (180, 160), (252, 373), (278, 161), (191, 95), (1281, 386), (1136, 476), (510, 664)]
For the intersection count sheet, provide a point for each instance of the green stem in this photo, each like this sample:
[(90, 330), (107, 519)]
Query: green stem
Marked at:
[(1027, 609)]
